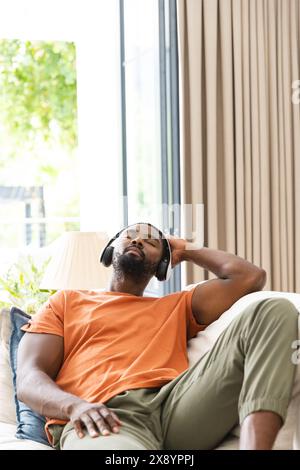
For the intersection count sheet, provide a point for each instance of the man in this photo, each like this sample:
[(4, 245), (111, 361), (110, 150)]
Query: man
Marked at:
[(110, 370)]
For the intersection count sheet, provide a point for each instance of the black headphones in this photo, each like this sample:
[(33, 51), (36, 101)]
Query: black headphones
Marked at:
[(163, 271)]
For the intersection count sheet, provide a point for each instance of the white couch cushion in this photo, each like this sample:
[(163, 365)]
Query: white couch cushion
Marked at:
[(7, 403), (8, 441)]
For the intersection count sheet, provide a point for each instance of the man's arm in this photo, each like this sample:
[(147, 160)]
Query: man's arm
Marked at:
[(40, 357), (236, 278)]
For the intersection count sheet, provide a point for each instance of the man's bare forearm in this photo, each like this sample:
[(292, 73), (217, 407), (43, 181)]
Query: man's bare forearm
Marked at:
[(41, 393), (222, 264)]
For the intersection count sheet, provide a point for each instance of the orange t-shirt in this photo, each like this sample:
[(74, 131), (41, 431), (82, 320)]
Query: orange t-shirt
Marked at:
[(115, 341)]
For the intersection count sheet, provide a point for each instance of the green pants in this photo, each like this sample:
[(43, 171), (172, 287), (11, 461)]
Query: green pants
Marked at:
[(249, 369)]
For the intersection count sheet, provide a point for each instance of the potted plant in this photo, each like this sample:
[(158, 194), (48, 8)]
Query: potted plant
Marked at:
[(19, 287)]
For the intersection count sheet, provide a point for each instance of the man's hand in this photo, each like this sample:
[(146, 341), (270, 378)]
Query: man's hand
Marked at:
[(177, 248), (95, 418)]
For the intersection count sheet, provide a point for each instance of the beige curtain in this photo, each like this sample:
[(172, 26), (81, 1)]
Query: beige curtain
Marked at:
[(240, 130)]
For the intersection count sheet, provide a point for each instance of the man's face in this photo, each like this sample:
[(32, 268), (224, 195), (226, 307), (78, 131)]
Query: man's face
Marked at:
[(138, 251)]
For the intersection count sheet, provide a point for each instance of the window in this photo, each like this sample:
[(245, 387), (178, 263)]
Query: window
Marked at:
[(114, 84), (47, 187), (38, 133)]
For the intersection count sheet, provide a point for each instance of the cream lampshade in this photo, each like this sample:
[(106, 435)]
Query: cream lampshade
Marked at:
[(75, 262)]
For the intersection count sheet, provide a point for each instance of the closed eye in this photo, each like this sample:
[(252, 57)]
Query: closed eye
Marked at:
[(151, 242)]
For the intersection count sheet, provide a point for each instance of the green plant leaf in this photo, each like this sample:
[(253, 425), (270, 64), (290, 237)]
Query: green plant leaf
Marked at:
[(20, 285)]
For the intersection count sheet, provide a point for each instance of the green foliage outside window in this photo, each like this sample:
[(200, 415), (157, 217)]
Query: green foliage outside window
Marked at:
[(38, 92), (38, 131)]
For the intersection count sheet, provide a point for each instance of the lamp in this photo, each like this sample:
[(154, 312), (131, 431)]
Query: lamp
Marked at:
[(75, 262)]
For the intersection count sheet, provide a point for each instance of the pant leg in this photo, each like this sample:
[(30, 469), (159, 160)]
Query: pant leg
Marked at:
[(139, 413), (249, 369), (120, 441)]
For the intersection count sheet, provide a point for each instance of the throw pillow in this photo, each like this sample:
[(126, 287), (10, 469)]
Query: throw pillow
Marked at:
[(30, 425)]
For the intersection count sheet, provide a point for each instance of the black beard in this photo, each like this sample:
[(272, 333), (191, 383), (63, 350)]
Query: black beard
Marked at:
[(136, 268)]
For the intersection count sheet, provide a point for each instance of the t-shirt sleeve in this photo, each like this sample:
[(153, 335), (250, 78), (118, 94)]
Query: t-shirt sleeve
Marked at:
[(193, 327), (50, 317)]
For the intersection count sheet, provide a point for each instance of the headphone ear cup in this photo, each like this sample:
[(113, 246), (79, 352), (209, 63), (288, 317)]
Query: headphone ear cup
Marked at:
[(107, 255), (161, 270)]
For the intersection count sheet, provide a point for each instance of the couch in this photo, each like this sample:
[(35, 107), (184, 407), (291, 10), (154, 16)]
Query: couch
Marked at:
[(288, 438)]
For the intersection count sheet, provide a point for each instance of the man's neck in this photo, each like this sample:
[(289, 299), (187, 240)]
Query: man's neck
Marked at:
[(128, 286)]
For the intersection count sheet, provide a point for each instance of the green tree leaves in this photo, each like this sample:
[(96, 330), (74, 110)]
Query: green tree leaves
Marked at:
[(38, 93)]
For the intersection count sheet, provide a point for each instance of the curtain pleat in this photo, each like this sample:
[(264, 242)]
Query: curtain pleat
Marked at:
[(275, 274), (239, 138), (226, 154), (240, 130)]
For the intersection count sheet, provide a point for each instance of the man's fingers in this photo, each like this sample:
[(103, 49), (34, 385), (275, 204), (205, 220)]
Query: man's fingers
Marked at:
[(78, 428), (90, 425), (101, 425), (116, 418), (96, 419), (110, 419)]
